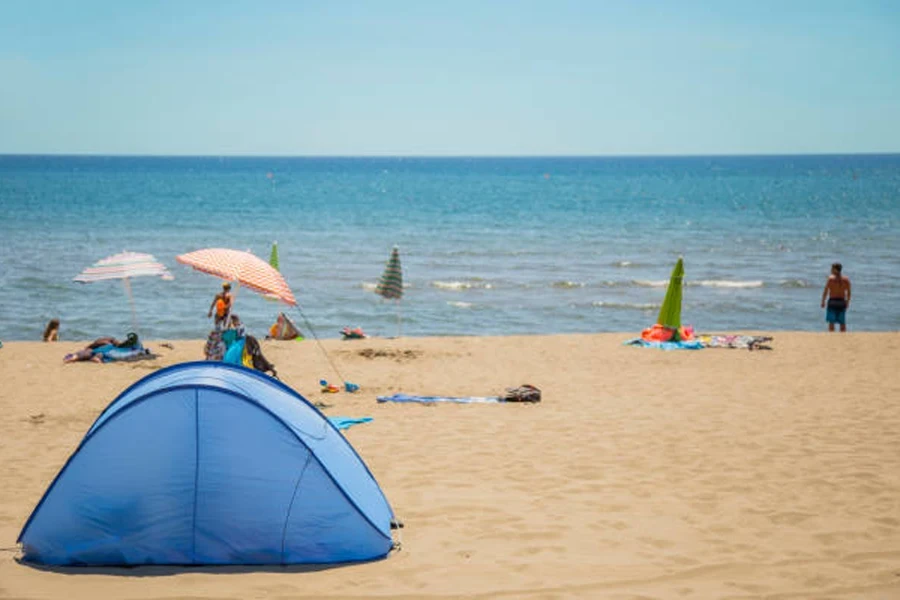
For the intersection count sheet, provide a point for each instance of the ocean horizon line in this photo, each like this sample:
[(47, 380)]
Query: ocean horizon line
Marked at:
[(895, 153)]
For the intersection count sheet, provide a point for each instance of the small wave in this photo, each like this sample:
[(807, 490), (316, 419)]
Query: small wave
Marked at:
[(460, 304), (567, 285), (371, 287), (626, 305), (725, 283), (460, 285), (649, 283), (795, 283)]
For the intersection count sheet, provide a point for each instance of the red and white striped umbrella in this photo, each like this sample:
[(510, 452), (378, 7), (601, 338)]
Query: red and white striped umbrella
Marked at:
[(242, 267), (124, 266)]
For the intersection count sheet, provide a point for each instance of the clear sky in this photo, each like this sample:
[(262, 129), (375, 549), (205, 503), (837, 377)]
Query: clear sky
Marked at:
[(450, 77)]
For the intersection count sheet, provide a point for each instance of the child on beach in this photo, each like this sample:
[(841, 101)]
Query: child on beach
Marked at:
[(837, 291), (51, 332)]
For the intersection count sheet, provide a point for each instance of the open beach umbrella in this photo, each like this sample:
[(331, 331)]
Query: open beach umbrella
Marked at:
[(241, 267), (670, 311), (124, 266), (390, 286)]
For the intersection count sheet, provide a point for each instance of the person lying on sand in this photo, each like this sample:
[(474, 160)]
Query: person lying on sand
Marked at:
[(93, 351)]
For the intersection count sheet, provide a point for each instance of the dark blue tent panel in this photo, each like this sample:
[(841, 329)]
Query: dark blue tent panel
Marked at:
[(210, 463)]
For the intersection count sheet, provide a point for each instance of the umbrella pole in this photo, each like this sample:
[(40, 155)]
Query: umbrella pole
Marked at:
[(127, 283), (237, 286), (399, 320), (319, 344)]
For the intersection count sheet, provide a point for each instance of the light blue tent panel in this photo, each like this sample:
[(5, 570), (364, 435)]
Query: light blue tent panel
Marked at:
[(210, 463)]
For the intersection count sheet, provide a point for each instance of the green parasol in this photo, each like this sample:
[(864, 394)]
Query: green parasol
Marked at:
[(273, 257), (670, 311)]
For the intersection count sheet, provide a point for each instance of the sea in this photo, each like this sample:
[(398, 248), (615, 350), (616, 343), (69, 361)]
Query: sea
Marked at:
[(488, 246)]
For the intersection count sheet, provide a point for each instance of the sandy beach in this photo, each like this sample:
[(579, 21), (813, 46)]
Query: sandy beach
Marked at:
[(642, 473)]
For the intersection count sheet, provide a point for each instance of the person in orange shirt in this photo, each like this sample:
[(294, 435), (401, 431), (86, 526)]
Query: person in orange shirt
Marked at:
[(222, 305)]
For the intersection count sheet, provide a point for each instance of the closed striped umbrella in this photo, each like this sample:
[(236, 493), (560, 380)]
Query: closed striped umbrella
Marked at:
[(124, 266), (242, 267), (390, 285)]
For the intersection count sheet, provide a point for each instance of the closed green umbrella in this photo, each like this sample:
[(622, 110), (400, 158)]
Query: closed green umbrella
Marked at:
[(670, 311), (273, 257)]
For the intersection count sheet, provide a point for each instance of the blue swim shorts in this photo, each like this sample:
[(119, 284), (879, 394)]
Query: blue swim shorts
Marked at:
[(836, 315)]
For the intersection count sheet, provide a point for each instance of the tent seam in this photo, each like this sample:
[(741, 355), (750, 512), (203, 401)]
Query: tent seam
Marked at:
[(287, 518), (196, 472)]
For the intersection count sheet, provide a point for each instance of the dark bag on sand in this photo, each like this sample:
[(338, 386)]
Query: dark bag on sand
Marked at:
[(523, 393), (251, 345)]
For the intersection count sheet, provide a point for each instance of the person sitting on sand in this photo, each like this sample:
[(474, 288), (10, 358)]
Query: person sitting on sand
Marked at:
[(51, 332), (837, 291), (222, 305)]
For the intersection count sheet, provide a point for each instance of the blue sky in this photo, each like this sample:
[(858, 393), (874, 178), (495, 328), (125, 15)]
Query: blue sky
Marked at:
[(460, 77)]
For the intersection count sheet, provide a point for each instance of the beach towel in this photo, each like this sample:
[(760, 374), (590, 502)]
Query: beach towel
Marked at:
[(748, 342), (343, 423), (691, 345), (433, 399), (111, 353)]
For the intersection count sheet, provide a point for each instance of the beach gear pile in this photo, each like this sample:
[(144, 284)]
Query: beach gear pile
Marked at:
[(235, 346), (250, 473), (668, 324), (746, 342), (353, 334), (284, 329)]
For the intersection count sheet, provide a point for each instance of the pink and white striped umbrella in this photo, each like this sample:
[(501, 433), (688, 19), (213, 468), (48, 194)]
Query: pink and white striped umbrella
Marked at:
[(243, 267)]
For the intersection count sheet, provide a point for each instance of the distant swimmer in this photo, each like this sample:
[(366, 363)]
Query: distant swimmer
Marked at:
[(837, 293)]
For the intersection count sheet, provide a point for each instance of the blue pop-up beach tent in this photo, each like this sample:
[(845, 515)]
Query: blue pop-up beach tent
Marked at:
[(206, 463)]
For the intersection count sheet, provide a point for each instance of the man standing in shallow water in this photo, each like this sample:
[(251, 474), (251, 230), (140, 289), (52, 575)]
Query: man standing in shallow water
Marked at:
[(837, 290)]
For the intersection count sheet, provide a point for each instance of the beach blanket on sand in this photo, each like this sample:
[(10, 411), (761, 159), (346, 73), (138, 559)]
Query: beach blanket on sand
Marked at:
[(347, 422), (748, 342), (432, 399), (692, 345)]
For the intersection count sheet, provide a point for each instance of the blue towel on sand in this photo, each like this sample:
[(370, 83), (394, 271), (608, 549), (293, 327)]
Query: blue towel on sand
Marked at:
[(110, 353), (430, 399), (347, 422), (693, 345)]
